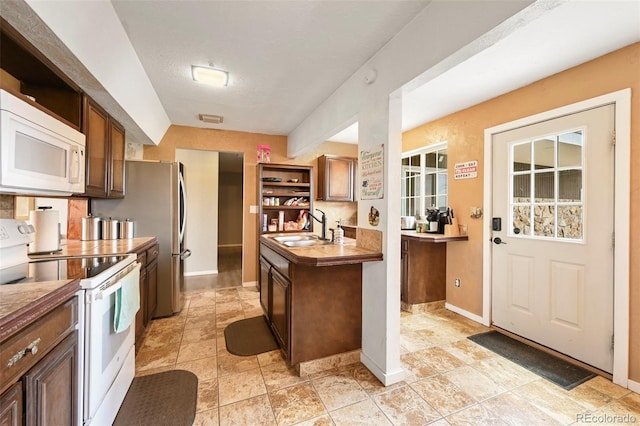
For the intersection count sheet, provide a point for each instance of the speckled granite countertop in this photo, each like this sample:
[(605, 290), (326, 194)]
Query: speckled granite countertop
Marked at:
[(323, 255), (78, 248), (23, 303)]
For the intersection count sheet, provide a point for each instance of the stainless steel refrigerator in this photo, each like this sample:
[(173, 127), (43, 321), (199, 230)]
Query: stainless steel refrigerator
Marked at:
[(155, 199)]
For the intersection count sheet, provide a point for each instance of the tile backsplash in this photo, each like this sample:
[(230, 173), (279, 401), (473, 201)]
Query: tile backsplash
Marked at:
[(7, 203)]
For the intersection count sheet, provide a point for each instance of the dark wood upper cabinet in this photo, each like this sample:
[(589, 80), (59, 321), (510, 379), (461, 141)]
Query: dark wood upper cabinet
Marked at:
[(105, 153), (95, 126), (24, 71), (116, 163), (336, 178)]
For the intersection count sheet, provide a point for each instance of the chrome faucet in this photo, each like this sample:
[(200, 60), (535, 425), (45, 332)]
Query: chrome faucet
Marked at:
[(323, 221)]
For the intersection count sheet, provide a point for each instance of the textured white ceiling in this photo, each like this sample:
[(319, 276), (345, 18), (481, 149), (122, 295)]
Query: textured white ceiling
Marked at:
[(284, 57), (568, 35)]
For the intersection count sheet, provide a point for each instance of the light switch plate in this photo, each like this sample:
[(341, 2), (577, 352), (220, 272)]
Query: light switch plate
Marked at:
[(253, 209)]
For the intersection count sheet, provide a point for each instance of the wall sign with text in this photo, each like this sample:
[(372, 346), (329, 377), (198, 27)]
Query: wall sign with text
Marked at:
[(371, 166), (466, 170)]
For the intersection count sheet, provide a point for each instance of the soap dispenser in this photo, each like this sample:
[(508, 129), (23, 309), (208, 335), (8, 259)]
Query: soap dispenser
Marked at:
[(339, 234)]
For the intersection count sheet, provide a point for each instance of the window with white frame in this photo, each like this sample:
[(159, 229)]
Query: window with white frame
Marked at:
[(424, 180)]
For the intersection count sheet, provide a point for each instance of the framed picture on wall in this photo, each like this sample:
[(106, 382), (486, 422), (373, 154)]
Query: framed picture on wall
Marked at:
[(371, 164)]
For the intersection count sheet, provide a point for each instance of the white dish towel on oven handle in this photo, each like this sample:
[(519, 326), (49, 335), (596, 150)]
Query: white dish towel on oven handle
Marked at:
[(127, 300)]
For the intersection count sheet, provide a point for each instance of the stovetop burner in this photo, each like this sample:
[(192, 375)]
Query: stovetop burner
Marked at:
[(58, 269)]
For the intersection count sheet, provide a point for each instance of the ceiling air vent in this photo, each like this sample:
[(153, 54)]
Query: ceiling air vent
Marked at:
[(208, 118)]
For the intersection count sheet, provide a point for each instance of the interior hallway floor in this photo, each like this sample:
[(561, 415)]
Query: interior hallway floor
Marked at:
[(449, 379)]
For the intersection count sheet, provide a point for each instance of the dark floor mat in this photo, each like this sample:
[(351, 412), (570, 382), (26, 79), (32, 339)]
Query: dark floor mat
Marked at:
[(163, 399), (552, 368), (251, 336)]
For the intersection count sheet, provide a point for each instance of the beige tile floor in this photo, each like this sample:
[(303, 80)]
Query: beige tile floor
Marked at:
[(449, 379)]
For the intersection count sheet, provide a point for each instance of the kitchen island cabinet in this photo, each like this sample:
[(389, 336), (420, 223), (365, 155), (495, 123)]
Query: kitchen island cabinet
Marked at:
[(312, 297), (39, 353), (423, 270)]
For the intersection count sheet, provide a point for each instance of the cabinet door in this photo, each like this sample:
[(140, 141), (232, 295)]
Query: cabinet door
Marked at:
[(152, 289), (263, 283), (336, 177), (51, 386), (141, 315), (116, 160), (96, 130), (280, 305), (404, 270), (11, 406)]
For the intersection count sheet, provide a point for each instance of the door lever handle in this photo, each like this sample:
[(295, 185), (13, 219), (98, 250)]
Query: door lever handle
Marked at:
[(498, 240)]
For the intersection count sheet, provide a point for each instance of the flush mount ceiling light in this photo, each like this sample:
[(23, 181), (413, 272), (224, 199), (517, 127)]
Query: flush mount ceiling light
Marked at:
[(208, 118), (210, 76)]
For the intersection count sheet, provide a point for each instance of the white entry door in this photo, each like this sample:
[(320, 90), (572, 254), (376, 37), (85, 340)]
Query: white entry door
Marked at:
[(552, 257)]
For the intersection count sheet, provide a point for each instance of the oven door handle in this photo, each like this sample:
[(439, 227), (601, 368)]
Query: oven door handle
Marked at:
[(108, 291)]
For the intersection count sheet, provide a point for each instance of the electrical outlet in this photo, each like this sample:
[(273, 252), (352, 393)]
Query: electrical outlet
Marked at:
[(457, 282)]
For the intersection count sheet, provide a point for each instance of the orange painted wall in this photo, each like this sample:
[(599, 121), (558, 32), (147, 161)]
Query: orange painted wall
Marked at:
[(464, 132)]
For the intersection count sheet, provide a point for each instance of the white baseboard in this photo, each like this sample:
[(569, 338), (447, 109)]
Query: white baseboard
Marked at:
[(634, 386), (196, 273), (387, 379), (474, 317), (250, 284)]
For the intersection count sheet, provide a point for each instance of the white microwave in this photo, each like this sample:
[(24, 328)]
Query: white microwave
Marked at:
[(40, 155)]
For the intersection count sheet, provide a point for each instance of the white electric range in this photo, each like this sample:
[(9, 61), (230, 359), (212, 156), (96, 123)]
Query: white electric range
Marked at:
[(107, 364)]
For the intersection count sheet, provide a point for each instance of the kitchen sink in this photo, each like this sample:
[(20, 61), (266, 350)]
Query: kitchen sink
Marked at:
[(296, 238), (306, 243)]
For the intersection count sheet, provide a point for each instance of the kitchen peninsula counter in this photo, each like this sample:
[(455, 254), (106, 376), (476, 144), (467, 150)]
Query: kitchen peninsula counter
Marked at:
[(79, 248), (323, 255), (423, 270), (312, 296), (432, 238)]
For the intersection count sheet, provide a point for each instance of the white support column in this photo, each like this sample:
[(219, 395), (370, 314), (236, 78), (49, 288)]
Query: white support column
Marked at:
[(381, 280)]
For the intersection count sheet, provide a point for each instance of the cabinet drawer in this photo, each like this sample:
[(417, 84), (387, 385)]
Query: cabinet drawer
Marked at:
[(152, 253), (142, 258), (278, 262), (21, 351)]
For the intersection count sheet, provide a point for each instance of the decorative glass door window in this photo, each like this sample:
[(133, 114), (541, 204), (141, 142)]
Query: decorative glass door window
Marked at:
[(547, 181), (424, 180)]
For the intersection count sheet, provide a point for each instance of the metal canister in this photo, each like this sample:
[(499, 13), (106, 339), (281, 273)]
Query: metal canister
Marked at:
[(110, 229), (126, 229), (90, 228)]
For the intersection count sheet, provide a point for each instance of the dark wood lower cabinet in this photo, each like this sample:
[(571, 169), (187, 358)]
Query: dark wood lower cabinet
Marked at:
[(263, 284), (11, 406), (148, 259), (152, 288), (423, 271), (39, 374), (280, 309), (314, 312), (51, 386)]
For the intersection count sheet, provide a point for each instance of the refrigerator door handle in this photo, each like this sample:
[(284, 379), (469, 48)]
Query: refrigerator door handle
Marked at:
[(182, 206), (183, 254)]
